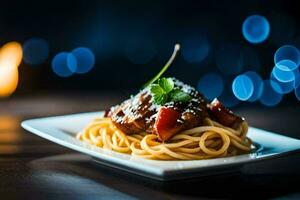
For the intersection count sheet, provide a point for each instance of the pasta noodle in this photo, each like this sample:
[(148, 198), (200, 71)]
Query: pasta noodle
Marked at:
[(212, 140)]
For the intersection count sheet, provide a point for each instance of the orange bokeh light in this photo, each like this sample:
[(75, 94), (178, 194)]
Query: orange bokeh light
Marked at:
[(10, 58), (8, 80), (11, 55)]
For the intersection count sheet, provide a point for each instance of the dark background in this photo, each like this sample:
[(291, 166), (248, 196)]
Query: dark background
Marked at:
[(149, 27)]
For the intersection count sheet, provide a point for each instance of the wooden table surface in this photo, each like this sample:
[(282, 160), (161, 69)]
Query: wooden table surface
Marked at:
[(33, 168)]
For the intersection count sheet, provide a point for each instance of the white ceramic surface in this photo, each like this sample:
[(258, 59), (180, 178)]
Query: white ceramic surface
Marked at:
[(62, 130)]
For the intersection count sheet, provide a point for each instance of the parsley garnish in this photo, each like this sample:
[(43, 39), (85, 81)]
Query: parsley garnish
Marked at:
[(163, 91), (178, 95)]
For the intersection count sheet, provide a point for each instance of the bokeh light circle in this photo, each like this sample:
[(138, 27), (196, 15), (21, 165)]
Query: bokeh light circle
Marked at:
[(257, 85), (35, 50), (287, 52), (269, 96), (195, 49), (297, 78), (283, 75), (62, 64), (9, 79), (286, 75), (211, 85), (229, 59), (281, 87), (286, 65), (242, 87), (85, 60), (11, 55), (256, 29)]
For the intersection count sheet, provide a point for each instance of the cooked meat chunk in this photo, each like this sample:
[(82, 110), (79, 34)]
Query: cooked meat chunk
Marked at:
[(140, 113), (223, 115), (134, 115)]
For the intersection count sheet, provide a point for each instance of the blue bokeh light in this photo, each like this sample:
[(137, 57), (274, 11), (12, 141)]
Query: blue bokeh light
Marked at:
[(286, 75), (195, 49), (286, 65), (287, 52), (62, 64), (242, 87), (35, 51), (256, 29), (269, 96), (211, 85), (281, 87), (297, 78), (257, 85), (85, 60), (229, 59), (140, 51), (283, 75)]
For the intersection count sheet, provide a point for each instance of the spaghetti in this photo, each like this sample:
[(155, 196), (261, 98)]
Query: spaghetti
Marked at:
[(212, 140)]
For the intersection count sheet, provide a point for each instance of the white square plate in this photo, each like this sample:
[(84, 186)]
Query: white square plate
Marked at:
[(62, 130)]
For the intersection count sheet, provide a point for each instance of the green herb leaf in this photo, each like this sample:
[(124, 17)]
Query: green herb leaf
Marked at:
[(178, 95), (167, 65), (160, 99), (158, 93), (164, 92), (166, 84), (156, 89)]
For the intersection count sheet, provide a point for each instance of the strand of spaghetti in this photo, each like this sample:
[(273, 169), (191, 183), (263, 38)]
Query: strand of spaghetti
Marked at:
[(245, 127), (240, 146), (242, 129), (237, 132), (133, 138), (93, 132), (188, 150), (226, 143), (209, 121), (123, 138), (215, 129), (212, 143), (137, 151), (85, 137), (144, 144), (106, 139), (174, 154), (79, 135), (160, 150), (183, 136), (114, 139), (176, 145)]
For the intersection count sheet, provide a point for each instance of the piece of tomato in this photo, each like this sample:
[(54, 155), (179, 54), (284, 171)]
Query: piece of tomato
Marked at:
[(166, 124)]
